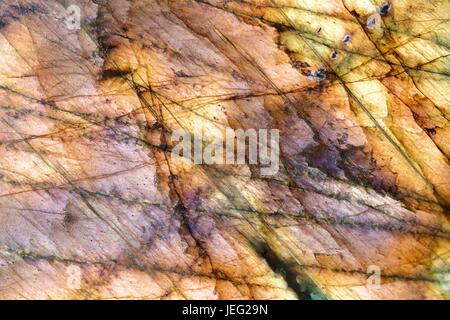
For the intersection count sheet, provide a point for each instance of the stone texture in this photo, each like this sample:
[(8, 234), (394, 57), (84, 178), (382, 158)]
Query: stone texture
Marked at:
[(87, 182)]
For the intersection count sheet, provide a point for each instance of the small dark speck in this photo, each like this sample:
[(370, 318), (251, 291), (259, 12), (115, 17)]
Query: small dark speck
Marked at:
[(431, 132), (334, 55), (157, 125), (347, 38), (319, 30), (319, 74), (181, 74), (384, 8)]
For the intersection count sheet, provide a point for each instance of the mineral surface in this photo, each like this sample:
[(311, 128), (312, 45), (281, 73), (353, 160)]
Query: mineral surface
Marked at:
[(93, 206)]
